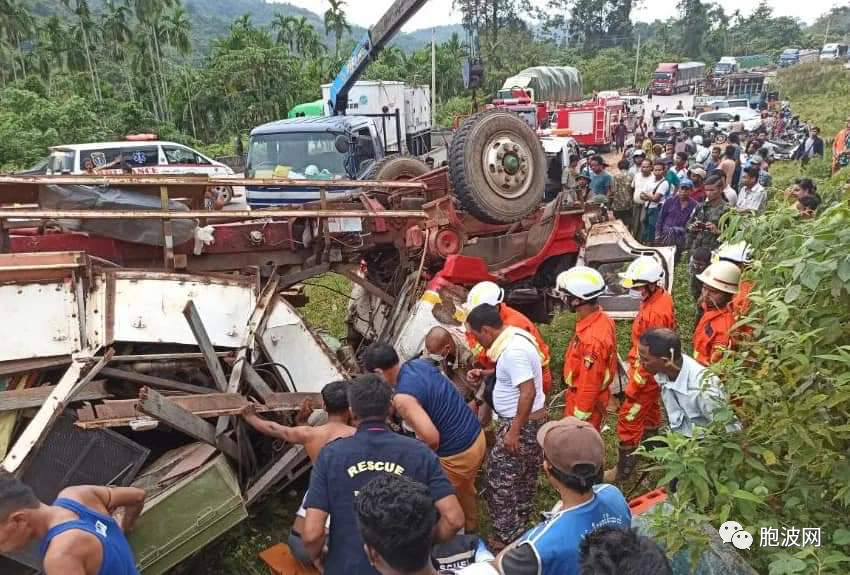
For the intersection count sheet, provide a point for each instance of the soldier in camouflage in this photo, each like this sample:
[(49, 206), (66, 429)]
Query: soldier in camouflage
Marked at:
[(704, 230)]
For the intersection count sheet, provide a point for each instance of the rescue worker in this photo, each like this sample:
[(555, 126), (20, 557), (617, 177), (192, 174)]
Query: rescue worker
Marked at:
[(640, 413), (590, 361), (490, 293), (739, 254), (713, 332)]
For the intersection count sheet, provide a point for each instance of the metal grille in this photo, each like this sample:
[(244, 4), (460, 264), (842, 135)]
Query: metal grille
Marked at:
[(74, 456)]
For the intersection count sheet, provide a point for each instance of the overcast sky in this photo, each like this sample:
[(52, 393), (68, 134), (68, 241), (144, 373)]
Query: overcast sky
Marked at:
[(436, 12)]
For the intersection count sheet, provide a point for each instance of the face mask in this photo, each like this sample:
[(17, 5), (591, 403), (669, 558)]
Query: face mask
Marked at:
[(635, 294), (435, 357)]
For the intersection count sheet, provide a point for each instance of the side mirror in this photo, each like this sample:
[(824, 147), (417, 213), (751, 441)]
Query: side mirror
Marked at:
[(341, 144)]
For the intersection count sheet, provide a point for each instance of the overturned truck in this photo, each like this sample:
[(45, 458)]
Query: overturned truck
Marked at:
[(144, 322)]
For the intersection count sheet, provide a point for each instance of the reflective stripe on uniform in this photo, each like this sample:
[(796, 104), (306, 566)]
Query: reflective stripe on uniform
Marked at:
[(639, 380), (606, 381), (431, 297), (583, 415), (633, 411)]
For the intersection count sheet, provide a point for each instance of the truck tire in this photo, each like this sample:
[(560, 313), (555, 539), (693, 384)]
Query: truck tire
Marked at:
[(497, 167), (397, 168)]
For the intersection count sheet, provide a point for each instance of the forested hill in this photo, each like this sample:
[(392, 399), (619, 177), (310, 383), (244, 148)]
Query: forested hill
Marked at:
[(212, 19)]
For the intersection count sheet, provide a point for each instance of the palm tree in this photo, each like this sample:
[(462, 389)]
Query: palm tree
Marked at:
[(178, 28), (336, 22), (115, 25), (85, 28), (284, 26)]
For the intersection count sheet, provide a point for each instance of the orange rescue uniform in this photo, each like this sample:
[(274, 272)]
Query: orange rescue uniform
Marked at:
[(512, 317), (590, 365), (712, 333), (741, 301), (641, 409)]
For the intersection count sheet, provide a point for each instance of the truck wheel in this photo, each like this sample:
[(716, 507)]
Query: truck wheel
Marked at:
[(397, 168), (497, 167)]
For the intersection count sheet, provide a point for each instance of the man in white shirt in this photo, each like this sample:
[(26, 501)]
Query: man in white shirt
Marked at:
[(729, 193), (753, 196), (519, 403), (644, 183), (691, 395), (655, 198)]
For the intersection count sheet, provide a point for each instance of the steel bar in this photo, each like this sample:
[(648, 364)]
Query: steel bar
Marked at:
[(220, 215), (204, 181)]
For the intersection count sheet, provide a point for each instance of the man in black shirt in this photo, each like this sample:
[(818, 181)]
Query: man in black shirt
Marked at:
[(344, 466)]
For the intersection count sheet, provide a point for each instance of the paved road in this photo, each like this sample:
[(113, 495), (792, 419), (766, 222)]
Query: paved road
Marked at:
[(666, 103)]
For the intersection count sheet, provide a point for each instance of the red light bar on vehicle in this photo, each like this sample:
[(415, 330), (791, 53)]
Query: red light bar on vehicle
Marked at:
[(141, 137)]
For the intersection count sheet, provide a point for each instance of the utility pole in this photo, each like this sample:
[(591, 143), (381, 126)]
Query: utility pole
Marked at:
[(826, 34), (433, 77), (637, 60)]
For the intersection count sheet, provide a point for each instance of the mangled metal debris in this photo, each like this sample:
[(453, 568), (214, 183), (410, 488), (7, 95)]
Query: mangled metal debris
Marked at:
[(121, 377)]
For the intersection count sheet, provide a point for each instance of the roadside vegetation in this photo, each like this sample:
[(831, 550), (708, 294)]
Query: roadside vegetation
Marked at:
[(74, 71)]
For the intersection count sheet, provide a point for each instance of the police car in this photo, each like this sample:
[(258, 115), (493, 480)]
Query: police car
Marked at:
[(138, 154)]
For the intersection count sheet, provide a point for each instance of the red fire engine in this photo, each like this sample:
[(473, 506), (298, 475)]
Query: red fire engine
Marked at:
[(591, 122)]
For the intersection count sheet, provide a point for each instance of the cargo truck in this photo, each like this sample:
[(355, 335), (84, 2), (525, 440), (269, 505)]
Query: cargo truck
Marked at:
[(672, 78), (834, 52), (794, 56)]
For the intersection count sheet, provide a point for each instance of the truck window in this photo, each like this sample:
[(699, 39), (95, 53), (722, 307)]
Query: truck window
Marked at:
[(60, 161), (297, 154)]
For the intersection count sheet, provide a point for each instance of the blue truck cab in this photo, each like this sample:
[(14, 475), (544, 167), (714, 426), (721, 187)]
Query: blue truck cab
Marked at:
[(789, 57), (324, 148)]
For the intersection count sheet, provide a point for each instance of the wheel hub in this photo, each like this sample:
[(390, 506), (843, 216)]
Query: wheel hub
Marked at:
[(508, 167)]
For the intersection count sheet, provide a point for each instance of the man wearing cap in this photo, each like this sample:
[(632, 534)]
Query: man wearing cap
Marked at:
[(590, 360), (637, 157), (713, 332), (640, 413), (573, 460), (517, 399), (670, 229), (690, 393), (490, 293)]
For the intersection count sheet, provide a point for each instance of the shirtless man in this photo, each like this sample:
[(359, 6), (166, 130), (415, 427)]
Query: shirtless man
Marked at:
[(335, 399), (78, 533)]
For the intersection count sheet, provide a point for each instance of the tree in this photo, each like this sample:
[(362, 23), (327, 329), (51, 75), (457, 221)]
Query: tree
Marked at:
[(335, 21), (84, 29), (694, 26), (598, 24)]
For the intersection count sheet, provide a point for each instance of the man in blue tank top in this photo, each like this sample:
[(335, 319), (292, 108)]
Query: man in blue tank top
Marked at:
[(78, 534), (573, 454)]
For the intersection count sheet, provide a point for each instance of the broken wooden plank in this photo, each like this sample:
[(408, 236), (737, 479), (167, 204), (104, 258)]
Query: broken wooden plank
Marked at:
[(257, 383), (290, 466), (152, 381), (35, 396), (27, 365), (120, 413), (365, 284), (160, 407), (166, 357), (70, 384), (190, 312), (192, 460)]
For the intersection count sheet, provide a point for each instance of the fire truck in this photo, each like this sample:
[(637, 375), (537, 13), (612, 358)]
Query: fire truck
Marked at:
[(591, 122)]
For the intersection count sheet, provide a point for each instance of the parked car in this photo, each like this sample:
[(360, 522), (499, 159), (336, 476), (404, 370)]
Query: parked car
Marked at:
[(725, 117), (636, 105), (687, 126), (141, 154), (674, 114)]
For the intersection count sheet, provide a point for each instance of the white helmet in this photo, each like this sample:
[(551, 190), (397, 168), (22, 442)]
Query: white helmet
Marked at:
[(582, 282), (740, 253), (484, 292), (697, 140), (645, 270), (722, 276)]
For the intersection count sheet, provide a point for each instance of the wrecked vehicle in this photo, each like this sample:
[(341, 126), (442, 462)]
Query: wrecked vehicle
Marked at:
[(147, 322)]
